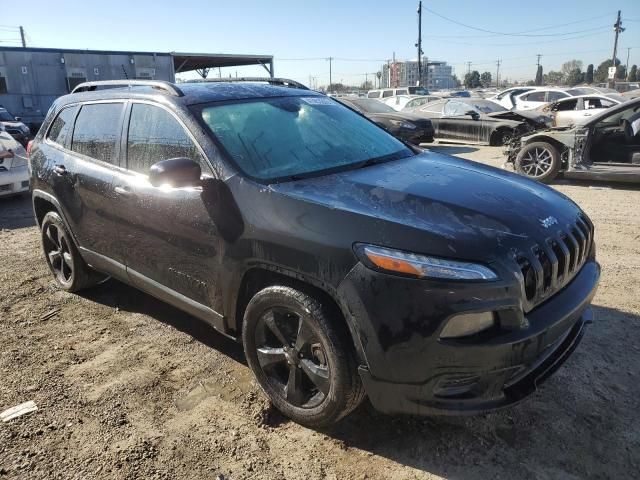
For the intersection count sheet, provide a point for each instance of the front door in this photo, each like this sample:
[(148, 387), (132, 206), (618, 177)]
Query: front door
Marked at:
[(170, 241)]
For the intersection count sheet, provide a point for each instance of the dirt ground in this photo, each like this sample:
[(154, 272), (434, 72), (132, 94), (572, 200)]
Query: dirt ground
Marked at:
[(128, 387)]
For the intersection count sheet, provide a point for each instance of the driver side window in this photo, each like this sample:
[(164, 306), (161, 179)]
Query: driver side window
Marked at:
[(155, 135)]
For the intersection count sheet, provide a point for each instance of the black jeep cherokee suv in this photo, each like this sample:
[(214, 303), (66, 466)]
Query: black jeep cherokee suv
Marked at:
[(344, 260)]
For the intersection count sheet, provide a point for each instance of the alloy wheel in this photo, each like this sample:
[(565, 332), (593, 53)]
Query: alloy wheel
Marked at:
[(537, 162), (292, 356), (56, 248)]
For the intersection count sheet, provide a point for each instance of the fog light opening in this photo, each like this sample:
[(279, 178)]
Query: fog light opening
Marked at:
[(467, 324)]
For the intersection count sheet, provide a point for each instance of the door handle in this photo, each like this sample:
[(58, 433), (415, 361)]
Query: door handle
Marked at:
[(60, 170), (124, 191)]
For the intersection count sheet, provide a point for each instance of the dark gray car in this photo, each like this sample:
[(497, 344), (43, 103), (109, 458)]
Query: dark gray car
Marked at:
[(475, 120)]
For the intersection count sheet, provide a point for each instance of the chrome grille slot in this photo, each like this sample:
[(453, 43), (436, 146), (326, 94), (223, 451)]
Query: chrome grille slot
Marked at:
[(545, 263)]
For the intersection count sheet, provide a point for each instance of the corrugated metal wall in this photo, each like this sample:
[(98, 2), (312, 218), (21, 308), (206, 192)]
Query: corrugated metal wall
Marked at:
[(34, 79)]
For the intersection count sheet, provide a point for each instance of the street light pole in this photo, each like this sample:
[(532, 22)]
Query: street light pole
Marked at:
[(419, 44)]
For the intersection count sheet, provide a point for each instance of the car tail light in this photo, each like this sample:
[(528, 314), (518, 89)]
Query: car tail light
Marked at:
[(29, 145)]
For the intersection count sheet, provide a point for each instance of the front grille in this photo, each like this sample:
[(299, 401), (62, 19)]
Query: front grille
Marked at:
[(551, 265)]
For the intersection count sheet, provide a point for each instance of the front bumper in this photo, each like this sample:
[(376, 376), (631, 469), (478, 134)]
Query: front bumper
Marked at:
[(14, 180), (410, 370)]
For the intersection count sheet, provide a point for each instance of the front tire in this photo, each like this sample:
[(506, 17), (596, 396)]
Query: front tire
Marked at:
[(67, 266), (539, 161), (303, 362)]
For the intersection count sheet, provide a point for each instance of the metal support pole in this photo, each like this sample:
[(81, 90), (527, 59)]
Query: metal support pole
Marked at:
[(24, 42), (617, 27), (419, 44)]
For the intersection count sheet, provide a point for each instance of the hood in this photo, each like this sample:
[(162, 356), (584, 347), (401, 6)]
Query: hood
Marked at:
[(437, 204), (524, 116)]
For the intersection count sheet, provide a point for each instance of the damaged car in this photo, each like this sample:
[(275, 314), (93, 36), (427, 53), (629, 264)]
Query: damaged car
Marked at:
[(404, 125), (574, 110), (346, 262), (475, 120), (605, 147), (15, 127)]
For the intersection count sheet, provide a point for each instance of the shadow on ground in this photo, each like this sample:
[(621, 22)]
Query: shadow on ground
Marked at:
[(116, 294), (515, 441), (16, 212)]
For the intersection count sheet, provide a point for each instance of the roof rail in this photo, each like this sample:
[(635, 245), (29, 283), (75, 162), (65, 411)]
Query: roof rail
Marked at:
[(158, 84), (283, 82)]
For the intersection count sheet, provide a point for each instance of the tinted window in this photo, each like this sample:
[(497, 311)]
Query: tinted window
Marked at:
[(62, 126), (387, 93), (155, 135), (97, 131), (374, 95), (276, 138), (401, 92), (553, 96), (534, 97)]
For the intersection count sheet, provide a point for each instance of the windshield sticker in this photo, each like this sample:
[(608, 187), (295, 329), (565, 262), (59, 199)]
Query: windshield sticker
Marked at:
[(318, 101)]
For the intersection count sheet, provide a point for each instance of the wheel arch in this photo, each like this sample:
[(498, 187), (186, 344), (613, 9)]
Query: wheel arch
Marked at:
[(561, 147), (260, 277), (44, 203)]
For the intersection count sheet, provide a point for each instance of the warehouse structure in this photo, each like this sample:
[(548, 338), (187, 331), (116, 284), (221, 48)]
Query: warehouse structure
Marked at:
[(32, 78)]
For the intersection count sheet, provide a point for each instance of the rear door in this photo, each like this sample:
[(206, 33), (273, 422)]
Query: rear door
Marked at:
[(168, 234), (82, 146), (457, 125)]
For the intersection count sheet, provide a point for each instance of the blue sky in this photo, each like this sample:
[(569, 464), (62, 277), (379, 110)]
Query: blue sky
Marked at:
[(359, 34)]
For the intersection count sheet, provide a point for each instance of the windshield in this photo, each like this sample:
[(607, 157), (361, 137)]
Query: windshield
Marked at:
[(371, 106), (272, 139), (6, 116)]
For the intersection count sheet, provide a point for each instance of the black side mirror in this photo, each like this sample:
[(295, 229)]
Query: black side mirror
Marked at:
[(18, 119), (176, 172), (473, 114)]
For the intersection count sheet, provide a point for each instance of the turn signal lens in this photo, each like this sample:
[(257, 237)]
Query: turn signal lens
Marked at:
[(423, 266)]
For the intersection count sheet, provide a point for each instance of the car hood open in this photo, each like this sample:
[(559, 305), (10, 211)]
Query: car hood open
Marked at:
[(464, 203)]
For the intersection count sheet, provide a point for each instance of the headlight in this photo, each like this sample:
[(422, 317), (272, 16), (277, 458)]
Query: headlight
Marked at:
[(423, 266), (403, 124)]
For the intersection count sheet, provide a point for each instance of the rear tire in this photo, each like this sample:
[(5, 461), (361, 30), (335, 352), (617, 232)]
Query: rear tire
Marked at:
[(304, 364), (70, 271), (539, 161)]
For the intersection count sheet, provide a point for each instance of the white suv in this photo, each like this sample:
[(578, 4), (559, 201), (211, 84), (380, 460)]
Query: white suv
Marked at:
[(14, 174), (537, 98)]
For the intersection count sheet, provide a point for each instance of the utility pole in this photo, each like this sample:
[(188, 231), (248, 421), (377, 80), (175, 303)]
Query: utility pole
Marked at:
[(627, 67), (330, 78), (498, 73), (468, 67), (24, 42), (419, 44), (617, 27)]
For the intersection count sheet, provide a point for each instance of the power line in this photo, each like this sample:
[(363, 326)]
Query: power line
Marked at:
[(521, 34), (521, 43)]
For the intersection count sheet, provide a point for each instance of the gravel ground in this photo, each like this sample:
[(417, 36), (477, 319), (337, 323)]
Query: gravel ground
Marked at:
[(128, 387)]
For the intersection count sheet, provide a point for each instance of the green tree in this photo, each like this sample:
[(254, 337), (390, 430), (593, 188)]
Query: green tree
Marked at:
[(553, 78), (633, 73), (472, 80), (571, 66), (588, 77), (456, 81), (574, 77), (485, 79), (602, 72), (531, 83), (539, 76)]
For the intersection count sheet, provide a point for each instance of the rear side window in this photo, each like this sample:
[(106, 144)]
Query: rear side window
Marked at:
[(97, 131), (534, 97), (568, 105), (401, 92), (62, 126), (553, 96), (373, 95), (387, 93), (155, 135)]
